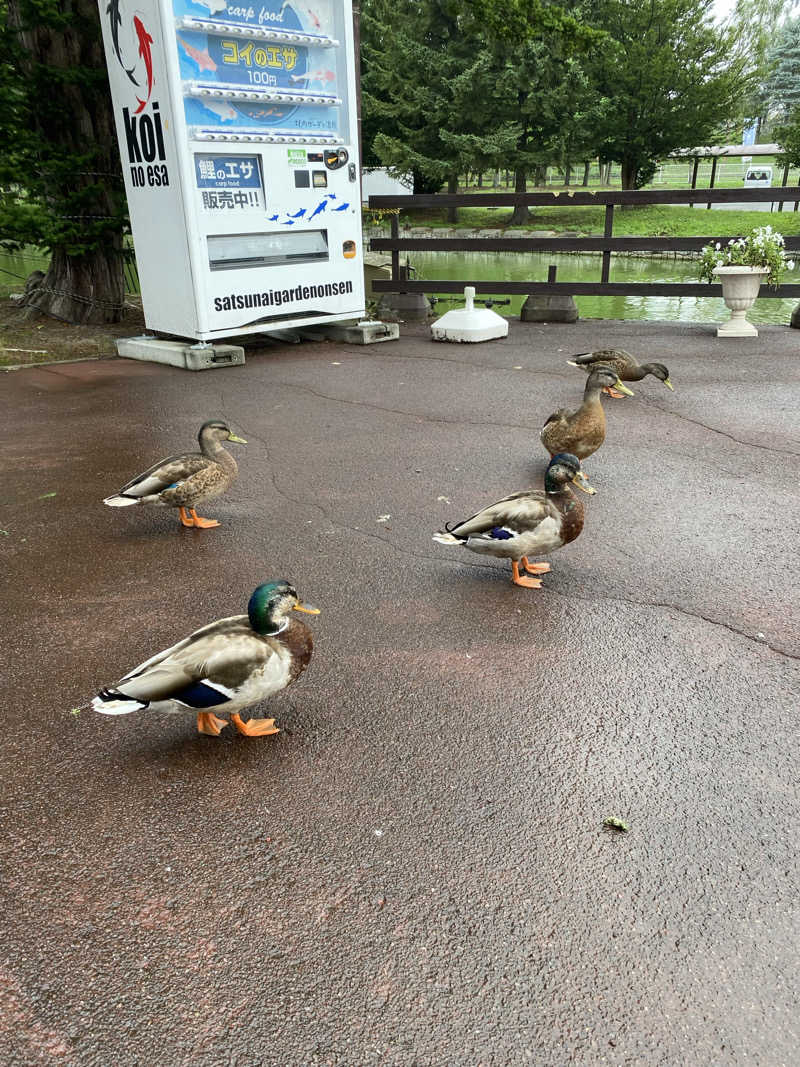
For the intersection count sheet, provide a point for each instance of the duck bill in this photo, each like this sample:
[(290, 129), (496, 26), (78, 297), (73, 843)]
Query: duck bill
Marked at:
[(307, 609), (623, 388), (669, 384), (237, 440), (582, 482)]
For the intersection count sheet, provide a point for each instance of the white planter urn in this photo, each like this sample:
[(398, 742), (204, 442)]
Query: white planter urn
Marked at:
[(740, 287)]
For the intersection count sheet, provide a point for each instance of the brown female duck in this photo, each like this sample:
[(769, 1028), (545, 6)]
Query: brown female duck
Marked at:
[(582, 432), (627, 367), (186, 480)]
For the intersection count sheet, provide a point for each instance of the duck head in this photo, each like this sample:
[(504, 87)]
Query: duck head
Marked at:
[(605, 377), (564, 468), (658, 370), (271, 603), (216, 431)]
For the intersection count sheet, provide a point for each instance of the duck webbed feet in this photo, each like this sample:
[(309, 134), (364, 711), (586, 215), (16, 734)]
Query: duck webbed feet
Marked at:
[(255, 727), (189, 517), (517, 579), (208, 723), (534, 568)]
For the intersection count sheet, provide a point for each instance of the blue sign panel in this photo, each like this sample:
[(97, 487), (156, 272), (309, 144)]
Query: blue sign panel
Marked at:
[(227, 172)]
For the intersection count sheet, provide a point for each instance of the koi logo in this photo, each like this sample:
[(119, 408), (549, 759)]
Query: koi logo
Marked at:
[(139, 38), (145, 40)]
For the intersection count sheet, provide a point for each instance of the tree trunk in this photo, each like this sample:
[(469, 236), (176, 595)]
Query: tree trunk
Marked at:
[(81, 289), (496, 180), (452, 187), (79, 178), (630, 172), (567, 173), (587, 169), (480, 179), (521, 215), (540, 175)]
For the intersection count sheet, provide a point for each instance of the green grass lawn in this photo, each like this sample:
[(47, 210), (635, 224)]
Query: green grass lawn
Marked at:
[(647, 221)]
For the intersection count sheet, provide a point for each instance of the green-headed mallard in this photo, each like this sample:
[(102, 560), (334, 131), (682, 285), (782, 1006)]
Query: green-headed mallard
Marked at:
[(186, 480), (627, 367), (223, 667), (582, 432), (530, 523)]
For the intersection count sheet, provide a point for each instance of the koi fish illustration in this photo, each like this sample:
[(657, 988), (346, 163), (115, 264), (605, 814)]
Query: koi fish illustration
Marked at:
[(145, 40), (273, 218), (342, 207), (225, 112), (318, 209), (213, 6), (298, 214), (115, 19), (317, 24), (202, 59), (321, 76), (288, 222)]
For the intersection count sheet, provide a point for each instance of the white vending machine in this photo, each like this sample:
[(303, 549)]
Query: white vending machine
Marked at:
[(237, 126)]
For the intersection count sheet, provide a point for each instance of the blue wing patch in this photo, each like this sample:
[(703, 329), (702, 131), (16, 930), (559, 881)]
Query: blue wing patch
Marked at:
[(499, 533), (200, 695)]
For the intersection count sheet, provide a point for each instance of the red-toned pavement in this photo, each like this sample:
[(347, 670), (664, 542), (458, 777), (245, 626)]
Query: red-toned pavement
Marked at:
[(414, 871)]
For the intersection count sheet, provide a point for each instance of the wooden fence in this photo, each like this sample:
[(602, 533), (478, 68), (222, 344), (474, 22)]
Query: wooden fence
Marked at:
[(607, 244)]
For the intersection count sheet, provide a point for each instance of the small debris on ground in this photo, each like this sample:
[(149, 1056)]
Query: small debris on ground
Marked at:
[(615, 824)]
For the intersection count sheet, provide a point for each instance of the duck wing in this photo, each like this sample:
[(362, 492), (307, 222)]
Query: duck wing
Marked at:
[(164, 474), (558, 416), (204, 670), (514, 513)]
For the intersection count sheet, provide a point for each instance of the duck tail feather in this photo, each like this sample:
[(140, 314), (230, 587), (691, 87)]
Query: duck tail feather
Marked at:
[(444, 537), (112, 702), (116, 500)]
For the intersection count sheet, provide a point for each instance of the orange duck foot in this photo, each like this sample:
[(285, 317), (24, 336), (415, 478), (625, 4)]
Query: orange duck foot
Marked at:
[(255, 727), (207, 723), (534, 568), (529, 583), (189, 517)]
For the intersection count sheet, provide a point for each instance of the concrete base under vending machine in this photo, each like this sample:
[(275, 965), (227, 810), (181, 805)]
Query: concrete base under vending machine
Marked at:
[(354, 333), (181, 353)]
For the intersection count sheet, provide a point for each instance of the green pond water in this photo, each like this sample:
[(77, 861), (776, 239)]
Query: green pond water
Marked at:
[(532, 266)]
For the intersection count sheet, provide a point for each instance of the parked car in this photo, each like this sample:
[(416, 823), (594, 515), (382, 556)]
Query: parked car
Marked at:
[(758, 177)]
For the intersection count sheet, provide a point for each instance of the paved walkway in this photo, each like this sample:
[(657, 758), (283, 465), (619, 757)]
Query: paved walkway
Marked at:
[(414, 871)]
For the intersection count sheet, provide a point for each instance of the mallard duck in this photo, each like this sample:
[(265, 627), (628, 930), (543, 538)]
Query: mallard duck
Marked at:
[(533, 522), (223, 667), (627, 367), (186, 480), (582, 432)]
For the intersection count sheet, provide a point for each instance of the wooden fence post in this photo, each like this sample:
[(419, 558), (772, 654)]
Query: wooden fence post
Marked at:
[(607, 232)]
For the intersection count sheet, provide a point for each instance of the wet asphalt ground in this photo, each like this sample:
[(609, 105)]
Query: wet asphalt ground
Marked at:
[(414, 871)]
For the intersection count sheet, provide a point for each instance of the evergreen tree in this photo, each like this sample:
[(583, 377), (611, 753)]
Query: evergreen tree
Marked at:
[(783, 84), (670, 77), (756, 23), (59, 164)]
